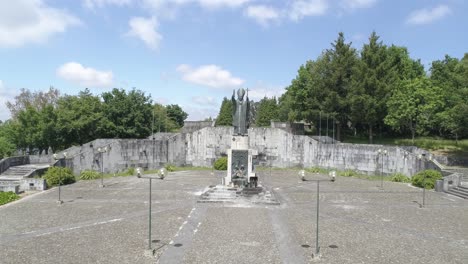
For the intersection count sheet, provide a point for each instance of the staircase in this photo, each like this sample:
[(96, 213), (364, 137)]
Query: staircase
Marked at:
[(459, 191), (17, 173), (462, 189), (20, 178)]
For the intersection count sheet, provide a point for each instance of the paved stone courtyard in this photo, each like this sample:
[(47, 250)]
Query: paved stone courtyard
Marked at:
[(359, 223)]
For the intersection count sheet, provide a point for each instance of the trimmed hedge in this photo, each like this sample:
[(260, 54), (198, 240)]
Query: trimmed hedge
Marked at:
[(55, 174), (427, 178), (221, 163)]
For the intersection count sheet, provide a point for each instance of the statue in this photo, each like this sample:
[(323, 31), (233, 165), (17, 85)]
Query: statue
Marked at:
[(240, 112)]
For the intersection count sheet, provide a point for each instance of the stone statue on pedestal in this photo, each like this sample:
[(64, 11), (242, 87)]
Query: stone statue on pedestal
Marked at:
[(240, 113)]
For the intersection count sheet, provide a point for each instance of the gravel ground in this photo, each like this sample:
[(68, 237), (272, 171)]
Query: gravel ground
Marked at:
[(358, 223)]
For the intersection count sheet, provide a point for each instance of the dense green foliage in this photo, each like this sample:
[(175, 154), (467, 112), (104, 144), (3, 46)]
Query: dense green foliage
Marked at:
[(7, 197), (56, 175), (399, 177), (267, 111), (426, 178), (381, 88), (42, 120), (225, 113), (221, 164), (89, 175)]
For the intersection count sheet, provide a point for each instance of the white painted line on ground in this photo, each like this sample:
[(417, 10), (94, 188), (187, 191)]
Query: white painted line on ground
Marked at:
[(75, 227)]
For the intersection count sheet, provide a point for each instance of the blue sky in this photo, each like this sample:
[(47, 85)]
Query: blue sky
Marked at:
[(195, 52)]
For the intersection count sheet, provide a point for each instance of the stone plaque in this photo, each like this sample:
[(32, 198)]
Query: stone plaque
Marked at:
[(239, 163)]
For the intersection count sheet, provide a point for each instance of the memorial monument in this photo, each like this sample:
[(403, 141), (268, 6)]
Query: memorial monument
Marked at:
[(240, 166)]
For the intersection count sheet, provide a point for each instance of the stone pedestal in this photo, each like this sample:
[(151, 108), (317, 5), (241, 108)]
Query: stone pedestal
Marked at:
[(240, 165)]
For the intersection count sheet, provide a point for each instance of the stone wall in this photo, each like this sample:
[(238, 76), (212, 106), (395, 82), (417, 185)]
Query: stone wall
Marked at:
[(275, 146)]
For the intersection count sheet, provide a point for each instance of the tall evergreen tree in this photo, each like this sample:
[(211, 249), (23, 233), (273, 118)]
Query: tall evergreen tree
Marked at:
[(371, 85), (225, 113), (267, 111)]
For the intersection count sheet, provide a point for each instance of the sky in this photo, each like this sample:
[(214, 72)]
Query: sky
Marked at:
[(195, 52)]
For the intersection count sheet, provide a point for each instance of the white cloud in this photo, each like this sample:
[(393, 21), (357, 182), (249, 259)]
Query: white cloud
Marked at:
[(204, 100), (426, 16), (262, 14), (356, 4), (209, 75), (303, 8), (85, 76), (91, 4), (146, 30), (31, 21)]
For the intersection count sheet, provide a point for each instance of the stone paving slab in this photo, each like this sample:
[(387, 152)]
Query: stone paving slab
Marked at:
[(359, 223)]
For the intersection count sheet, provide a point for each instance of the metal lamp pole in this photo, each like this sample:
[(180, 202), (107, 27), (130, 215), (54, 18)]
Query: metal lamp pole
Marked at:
[(317, 248), (59, 201), (102, 150), (139, 173)]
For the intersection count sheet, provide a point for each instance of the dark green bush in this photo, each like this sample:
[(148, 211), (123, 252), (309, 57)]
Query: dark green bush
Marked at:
[(170, 167), (89, 175), (55, 174), (221, 163), (430, 178), (399, 177), (6, 197)]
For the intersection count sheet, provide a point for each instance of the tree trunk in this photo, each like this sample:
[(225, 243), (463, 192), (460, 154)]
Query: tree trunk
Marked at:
[(338, 131), (371, 139)]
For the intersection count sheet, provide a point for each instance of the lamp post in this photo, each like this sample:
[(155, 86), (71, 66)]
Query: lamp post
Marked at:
[(59, 201), (317, 247), (382, 154), (161, 175), (102, 150), (422, 158)]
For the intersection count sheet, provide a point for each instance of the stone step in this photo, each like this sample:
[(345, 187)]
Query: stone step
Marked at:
[(457, 192)]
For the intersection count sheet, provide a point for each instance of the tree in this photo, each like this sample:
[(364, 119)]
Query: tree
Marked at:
[(80, 119), (225, 113), (38, 100), (414, 105), (7, 147), (176, 114), (371, 85), (161, 122), (451, 75), (267, 111), (129, 114)]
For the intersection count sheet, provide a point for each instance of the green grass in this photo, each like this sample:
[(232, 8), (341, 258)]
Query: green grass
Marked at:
[(429, 143), (7, 197)]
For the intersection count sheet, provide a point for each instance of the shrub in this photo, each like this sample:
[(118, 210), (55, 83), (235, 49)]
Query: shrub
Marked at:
[(399, 177), (170, 167), (6, 197), (430, 178), (348, 173), (55, 174), (131, 171), (89, 175), (221, 163)]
